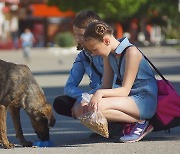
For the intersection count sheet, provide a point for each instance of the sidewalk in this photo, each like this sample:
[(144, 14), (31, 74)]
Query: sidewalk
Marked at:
[(51, 68)]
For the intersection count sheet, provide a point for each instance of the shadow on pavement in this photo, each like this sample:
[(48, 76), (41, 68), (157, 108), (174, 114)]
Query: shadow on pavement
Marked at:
[(166, 59), (167, 70), (50, 73)]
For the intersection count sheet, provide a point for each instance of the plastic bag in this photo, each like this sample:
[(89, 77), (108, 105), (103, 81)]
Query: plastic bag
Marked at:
[(94, 120)]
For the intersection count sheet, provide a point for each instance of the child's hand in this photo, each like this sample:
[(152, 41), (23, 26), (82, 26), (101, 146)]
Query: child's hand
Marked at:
[(95, 99)]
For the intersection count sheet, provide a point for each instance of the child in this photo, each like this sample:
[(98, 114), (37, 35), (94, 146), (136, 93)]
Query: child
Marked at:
[(136, 98)]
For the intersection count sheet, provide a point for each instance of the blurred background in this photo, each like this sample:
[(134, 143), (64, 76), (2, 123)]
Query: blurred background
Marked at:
[(144, 22)]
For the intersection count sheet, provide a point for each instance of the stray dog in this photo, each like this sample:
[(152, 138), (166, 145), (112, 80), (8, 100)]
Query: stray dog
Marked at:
[(18, 88)]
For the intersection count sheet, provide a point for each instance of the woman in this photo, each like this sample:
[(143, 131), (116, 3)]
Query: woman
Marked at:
[(71, 103), (135, 100)]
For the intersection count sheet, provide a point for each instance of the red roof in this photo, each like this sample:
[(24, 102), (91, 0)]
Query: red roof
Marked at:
[(43, 10)]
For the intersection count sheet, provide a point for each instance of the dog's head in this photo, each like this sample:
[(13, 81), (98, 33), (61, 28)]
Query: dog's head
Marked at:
[(42, 120)]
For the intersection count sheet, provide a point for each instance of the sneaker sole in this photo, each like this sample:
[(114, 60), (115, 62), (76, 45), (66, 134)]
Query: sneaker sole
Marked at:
[(148, 130)]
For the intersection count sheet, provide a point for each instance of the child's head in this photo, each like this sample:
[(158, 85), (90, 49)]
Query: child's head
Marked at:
[(97, 38), (27, 30), (81, 21)]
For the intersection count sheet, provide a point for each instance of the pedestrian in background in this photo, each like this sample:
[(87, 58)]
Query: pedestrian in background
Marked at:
[(27, 40)]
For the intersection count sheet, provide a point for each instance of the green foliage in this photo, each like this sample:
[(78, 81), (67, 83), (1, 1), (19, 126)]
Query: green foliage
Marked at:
[(115, 10), (159, 9), (65, 39), (160, 12), (172, 34), (119, 10)]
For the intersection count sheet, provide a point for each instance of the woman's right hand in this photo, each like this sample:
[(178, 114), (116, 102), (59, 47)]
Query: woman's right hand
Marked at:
[(79, 109)]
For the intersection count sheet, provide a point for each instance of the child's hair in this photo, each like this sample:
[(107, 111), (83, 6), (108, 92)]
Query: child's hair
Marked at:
[(85, 17), (97, 30)]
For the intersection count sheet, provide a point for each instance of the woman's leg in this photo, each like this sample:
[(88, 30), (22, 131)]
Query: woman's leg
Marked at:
[(119, 109)]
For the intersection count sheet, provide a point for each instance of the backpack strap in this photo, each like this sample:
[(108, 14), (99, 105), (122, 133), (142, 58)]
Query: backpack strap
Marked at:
[(92, 65), (119, 81), (154, 67)]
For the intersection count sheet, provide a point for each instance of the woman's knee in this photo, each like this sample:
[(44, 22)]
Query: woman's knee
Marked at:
[(57, 106), (56, 103), (63, 105)]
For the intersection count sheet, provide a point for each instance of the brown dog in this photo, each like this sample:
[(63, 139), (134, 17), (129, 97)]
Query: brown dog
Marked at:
[(18, 88)]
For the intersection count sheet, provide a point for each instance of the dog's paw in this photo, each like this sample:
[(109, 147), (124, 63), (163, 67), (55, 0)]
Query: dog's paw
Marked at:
[(8, 146), (27, 144)]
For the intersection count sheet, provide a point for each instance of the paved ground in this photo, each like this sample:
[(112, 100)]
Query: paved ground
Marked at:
[(51, 68)]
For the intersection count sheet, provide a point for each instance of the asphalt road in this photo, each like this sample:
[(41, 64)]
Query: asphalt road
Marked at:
[(51, 67)]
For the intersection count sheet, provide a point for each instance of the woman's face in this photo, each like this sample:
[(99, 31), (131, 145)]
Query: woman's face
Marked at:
[(78, 33), (97, 48)]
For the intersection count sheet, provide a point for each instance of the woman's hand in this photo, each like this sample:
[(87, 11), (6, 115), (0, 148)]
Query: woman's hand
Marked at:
[(93, 104), (79, 109)]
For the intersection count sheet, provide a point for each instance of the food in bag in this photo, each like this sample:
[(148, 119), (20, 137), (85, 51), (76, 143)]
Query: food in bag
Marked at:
[(94, 120)]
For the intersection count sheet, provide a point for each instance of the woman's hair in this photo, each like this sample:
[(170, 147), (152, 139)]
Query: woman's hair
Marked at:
[(97, 30), (84, 18)]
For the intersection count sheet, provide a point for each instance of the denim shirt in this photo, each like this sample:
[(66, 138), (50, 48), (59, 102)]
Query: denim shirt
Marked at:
[(81, 67)]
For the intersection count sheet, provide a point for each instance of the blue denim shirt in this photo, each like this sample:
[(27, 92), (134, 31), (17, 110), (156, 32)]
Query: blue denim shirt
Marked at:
[(78, 70)]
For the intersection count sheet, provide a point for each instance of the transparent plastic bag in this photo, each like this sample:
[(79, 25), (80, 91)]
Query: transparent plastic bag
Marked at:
[(94, 120)]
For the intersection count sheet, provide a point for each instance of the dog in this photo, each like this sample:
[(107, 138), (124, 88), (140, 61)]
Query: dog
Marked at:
[(19, 89)]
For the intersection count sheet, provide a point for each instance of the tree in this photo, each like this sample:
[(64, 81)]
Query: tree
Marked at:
[(115, 10), (160, 10), (118, 10)]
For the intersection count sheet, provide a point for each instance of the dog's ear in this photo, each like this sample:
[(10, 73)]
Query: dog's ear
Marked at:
[(52, 121), (47, 111)]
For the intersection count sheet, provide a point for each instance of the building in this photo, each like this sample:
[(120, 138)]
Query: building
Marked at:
[(43, 20)]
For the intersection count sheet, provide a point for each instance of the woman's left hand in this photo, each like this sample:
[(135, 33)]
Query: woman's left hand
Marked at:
[(93, 104)]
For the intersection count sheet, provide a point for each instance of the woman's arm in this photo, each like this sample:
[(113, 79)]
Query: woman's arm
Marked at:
[(76, 75)]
